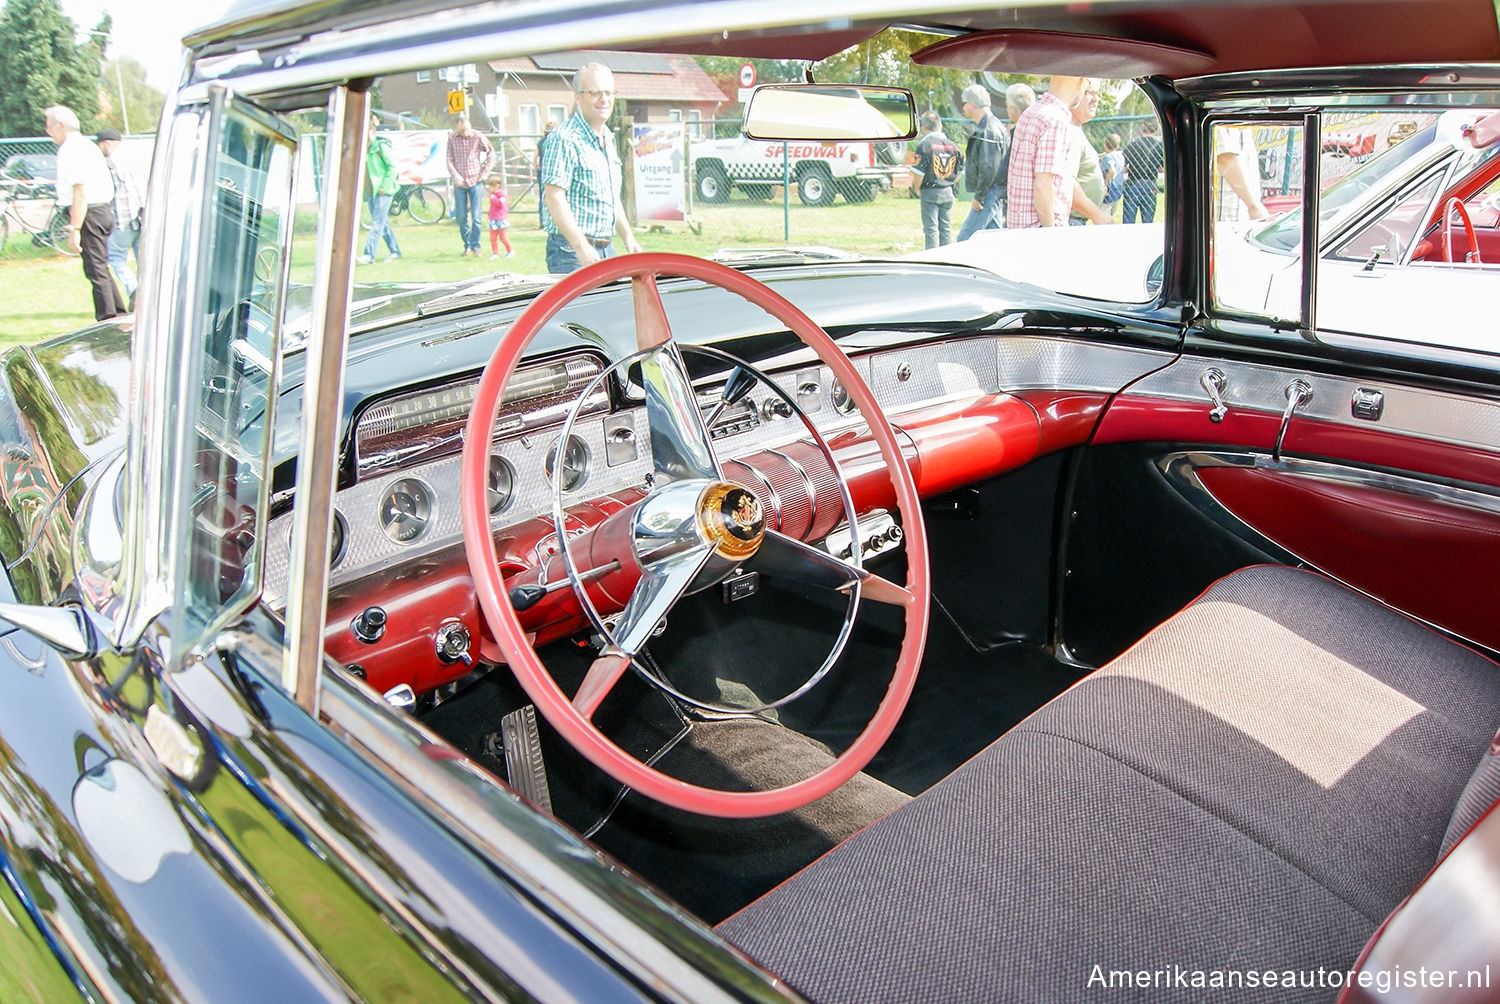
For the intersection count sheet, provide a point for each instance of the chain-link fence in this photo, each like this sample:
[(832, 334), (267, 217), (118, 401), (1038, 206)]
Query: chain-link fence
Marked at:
[(30, 222)]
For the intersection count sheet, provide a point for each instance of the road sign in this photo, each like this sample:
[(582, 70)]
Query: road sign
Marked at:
[(457, 103), (747, 75)]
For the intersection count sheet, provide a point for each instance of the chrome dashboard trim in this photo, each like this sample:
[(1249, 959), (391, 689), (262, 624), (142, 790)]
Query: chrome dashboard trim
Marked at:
[(1458, 420)]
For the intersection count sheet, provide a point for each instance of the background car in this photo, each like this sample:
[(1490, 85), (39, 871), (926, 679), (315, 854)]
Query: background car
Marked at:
[(30, 167), (843, 627), (1396, 257)]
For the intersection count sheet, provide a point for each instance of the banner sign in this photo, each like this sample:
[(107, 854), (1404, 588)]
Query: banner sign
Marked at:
[(658, 171)]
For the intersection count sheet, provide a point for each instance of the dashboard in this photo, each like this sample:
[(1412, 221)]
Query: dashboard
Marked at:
[(401, 605)]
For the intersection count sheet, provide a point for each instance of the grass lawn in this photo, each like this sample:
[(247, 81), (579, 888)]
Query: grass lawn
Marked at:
[(46, 294)]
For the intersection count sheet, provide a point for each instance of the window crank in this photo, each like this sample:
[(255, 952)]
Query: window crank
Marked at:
[(1214, 383), (1298, 393)]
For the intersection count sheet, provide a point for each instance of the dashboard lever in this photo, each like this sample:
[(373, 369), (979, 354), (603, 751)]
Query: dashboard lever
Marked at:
[(526, 597), (740, 383)]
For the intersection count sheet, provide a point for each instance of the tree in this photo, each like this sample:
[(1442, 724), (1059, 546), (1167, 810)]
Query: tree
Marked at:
[(44, 66), (127, 77)]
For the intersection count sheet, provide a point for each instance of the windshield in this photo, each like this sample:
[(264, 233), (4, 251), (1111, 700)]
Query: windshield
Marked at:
[(648, 151)]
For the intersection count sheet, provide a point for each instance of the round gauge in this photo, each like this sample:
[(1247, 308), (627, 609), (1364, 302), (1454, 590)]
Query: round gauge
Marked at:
[(502, 483), (575, 463), (842, 402), (406, 510), (338, 539)]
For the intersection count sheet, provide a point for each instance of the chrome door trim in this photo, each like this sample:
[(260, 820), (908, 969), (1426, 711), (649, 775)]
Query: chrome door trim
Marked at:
[(1438, 416)]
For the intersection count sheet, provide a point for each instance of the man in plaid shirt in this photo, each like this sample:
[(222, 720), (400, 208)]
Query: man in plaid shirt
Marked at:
[(130, 200), (580, 176), (1043, 162), (469, 159)]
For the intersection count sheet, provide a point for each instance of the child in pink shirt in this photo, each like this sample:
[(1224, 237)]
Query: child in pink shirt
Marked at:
[(499, 218)]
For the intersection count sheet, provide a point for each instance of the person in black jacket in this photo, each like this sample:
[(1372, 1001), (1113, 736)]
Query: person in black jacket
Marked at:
[(987, 161)]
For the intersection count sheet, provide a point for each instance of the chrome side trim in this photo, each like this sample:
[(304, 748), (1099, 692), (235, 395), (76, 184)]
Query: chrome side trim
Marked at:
[(1459, 420), (1181, 470)]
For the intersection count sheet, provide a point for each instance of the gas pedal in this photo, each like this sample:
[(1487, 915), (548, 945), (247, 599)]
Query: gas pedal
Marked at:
[(524, 768)]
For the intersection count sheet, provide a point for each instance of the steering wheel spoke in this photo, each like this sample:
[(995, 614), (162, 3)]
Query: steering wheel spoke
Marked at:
[(680, 444), (780, 555)]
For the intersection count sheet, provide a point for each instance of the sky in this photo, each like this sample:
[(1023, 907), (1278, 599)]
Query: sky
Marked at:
[(148, 30)]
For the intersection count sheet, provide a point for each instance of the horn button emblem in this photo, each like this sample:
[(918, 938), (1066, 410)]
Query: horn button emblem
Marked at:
[(732, 519)]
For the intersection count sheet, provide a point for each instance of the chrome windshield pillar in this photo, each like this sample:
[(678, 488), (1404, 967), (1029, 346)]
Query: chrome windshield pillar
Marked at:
[(322, 394)]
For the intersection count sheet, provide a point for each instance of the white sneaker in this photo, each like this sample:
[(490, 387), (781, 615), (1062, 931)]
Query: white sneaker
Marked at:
[(365, 259), (493, 257), (510, 254)]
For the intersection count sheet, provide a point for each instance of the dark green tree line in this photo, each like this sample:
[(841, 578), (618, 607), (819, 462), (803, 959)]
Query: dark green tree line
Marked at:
[(42, 64)]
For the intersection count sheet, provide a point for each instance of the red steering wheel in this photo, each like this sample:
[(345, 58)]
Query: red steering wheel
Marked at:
[(712, 533), (1456, 203)]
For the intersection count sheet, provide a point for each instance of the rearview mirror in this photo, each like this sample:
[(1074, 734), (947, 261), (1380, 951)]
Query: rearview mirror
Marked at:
[(830, 112)]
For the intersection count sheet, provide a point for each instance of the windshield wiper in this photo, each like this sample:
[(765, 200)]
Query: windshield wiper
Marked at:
[(500, 287)]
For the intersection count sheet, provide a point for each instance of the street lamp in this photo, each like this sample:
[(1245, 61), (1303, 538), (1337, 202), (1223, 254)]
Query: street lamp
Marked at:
[(119, 80)]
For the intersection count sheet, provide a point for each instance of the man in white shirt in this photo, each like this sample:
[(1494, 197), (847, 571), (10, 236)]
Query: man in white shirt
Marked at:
[(1237, 181), (85, 189)]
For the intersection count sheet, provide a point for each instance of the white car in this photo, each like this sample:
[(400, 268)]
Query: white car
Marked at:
[(1392, 262)]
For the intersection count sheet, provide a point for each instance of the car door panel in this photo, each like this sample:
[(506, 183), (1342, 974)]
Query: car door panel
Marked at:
[(1419, 478)]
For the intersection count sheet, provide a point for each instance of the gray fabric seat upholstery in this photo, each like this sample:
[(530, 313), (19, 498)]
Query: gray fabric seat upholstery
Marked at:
[(1255, 785)]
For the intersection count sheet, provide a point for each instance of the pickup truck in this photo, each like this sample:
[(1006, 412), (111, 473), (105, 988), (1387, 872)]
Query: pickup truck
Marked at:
[(855, 170)]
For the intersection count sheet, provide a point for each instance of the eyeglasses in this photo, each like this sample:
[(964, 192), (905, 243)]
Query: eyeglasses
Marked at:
[(597, 94)]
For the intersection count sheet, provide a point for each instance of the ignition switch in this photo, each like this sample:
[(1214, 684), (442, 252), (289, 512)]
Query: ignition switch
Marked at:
[(453, 643)]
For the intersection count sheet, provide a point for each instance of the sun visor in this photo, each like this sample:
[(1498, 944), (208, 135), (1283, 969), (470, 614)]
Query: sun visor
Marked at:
[(1047, 52), (811, 43)]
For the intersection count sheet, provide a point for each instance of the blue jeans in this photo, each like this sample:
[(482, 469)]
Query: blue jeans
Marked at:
[(990, 215), (466, 209), (561, 259), (380, 226), (1140, 197), (936, 229), (123, 240)]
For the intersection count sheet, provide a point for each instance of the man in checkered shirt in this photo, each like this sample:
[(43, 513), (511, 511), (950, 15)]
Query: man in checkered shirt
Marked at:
[(1043, 162), (580, 177), (130, 200), (469, 158)]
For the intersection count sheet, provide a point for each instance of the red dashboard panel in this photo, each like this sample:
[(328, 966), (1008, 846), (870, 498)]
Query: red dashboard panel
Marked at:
[(947, 446)]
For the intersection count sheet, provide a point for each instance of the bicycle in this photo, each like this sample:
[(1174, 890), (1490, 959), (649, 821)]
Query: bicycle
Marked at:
[(425, 202), (22, 210)]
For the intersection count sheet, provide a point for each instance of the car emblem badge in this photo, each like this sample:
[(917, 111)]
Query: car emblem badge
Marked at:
[(732, 519)]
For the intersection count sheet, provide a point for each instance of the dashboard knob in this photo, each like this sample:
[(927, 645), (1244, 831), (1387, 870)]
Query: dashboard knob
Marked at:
[(369, 625), (775, 407)]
